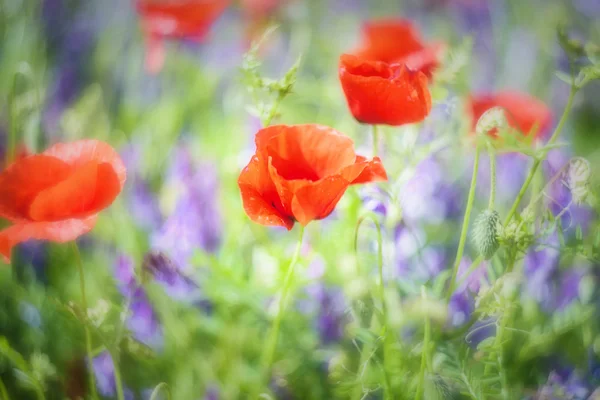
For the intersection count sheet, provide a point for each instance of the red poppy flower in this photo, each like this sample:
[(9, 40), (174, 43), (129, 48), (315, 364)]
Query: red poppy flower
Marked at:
[(56, 195), (381, 93), (523, 112), (300, 172), (398, 41), (179, 19)]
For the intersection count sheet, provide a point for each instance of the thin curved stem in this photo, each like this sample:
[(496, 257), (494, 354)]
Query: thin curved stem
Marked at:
[(3, 391), (424, 354), (88, 336), (465, 225), (117, 374), (161, 386), (271, 345), (381, 287), (492, 155), (375, 140)]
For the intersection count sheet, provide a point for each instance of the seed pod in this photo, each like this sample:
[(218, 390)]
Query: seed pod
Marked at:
[(485, 233), (578, 179), (490, 121)]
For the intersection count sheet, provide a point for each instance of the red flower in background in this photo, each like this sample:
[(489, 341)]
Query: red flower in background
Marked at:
[(398, 41), (257, 14), (381, 93), (300, 172), (523, 112), (178, 19), (57, 195)]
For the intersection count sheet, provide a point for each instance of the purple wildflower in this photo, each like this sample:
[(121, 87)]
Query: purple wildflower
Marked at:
[(558, 388), (428, 196), (104, 373), (142, 203), (166, 273), (327, 306), (142, 320), (560, 198), (212, 393), (196, 220)]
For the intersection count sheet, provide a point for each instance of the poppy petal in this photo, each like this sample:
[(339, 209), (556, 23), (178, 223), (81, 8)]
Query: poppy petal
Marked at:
[(90, 189), (318, 199), (24, 179), (58, 231), (373, 171), (308, 151), (380, 94), (79, 153), (155, 54), (259, 195)]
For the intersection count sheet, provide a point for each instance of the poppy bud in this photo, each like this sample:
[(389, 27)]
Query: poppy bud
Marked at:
[(492, 120), (485, 233), (578, 179)]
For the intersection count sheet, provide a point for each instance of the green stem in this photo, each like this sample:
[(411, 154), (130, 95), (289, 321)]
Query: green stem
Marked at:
[(381, 288), (3, 391), (538, 160), (117, 374), (271, 345), (530, 176), (465, 225), (424, 353), (88, 337), (375, 140), (492, 155), (157, 389)]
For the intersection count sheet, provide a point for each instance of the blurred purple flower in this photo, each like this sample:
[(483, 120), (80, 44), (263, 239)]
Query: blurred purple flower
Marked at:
[(413, 259), (166, 273), (71, 40), (563, 388), (462, 302), (212, 393), (196, 221), (104, 373), (142, 204), (142, 320), (540, 267), (429, 197), (33, 253), (559, 195), (328, 306)]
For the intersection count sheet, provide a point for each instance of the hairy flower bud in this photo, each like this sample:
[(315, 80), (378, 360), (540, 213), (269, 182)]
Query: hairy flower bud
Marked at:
[(578, 179), (485, 233), (491, 120)]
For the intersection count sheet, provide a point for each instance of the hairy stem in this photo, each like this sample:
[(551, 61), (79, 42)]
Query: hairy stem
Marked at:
[(492, 155), (375, 140), (271, 345), (465, 225), (88, 336), (424, 354)]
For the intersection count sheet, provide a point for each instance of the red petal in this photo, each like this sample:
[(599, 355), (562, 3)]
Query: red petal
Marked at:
[(259, 196), (522, 111), (373, 98), (389, 40), (87, 191), (183, 19), (59, 231), (24, 179), (309, 152), (79, 153), (317, 200), (365, 171)]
